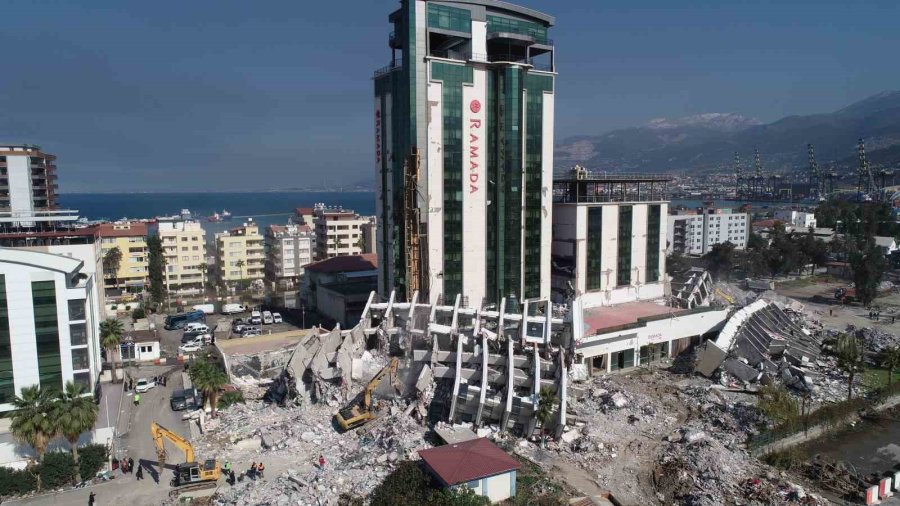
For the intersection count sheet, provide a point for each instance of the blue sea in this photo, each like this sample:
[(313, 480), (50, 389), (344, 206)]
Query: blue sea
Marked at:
[(265, 208)]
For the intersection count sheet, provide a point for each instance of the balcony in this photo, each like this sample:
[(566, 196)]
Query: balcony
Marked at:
[(387, 69), (510, 33), (509, 58)]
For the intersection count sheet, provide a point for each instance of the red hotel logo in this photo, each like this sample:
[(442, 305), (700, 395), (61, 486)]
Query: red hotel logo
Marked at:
[(475, 106), (474, 125)]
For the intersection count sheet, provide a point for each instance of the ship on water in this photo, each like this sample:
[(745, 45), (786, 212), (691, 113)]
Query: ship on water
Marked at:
[(217, 217)]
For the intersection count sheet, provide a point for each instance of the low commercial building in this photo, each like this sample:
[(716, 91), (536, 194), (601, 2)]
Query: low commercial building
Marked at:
[(798, 220), (696, 232), (338, 231), (477, 464), (288, 249), (139, 346), (184, 250), (240, 255), (339, 287), (130, 238), (49, 323)]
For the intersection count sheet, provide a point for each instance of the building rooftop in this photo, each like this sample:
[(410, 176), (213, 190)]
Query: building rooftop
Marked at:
[(362, 286), (264, 343), (582, 186), (345, 263), (129, 229), (603, 318), (59, 263), (467, 461), (140, 336)]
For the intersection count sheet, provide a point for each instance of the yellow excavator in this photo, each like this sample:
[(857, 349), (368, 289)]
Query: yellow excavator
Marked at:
[(190, 471), (360, 411)]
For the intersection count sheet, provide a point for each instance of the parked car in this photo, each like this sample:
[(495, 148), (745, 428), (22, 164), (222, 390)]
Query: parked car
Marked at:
[(206, 308), (267, 318), (143, 385), (276, 318), (250, 332), (187, 349), (192, 335), (188, 398), (197, 326), (233, 308), (256, 318)]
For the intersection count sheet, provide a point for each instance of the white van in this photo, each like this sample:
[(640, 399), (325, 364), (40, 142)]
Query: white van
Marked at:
[(206, 308), (267, 318), (196, 327), (255, 318), (233, 308)]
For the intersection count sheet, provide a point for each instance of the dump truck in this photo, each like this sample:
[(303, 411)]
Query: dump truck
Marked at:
[(190, 471), (360, 410)]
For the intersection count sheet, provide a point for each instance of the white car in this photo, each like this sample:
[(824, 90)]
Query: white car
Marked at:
[(267, 318), (143, 385), (256, 318), (187, 349), (196, 326), (276, 318)]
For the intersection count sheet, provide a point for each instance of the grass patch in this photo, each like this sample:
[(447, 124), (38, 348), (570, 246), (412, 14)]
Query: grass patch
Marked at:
[(536, 487)]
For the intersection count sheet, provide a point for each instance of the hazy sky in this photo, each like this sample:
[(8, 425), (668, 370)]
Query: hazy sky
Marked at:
[(229, 95)]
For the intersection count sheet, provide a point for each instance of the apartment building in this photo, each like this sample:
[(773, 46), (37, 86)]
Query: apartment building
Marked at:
[(696, 232), (240, 255), (798, 220), (338, 231), (27, 180), (49, 323), (130, 238), (370, 235), (288, 248), (184, 250)]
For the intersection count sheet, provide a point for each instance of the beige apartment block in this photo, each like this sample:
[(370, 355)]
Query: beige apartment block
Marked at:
[(184, 249), (240, 255), (339, 232), (130, 237)]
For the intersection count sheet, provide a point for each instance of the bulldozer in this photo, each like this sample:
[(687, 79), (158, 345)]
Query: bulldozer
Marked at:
[(190, 471), (360, 410)]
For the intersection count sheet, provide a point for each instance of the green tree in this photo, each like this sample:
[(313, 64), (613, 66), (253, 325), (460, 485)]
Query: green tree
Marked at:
[(851, 358), (868, 264), (32, 420), (112, 260), (814, 250), (890, 360), (156, 265), (111, 331), (73, 414), (546, 407), (240, 265), (720, 259), (779, 405), (208, 378)]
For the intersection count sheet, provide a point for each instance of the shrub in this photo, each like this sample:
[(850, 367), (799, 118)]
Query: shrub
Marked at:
[(406, 485), (57, 470), (138, 313), (91, 459), (229, 398), (16, 481)]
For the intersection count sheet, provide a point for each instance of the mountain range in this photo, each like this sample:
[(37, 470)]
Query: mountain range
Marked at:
[(708, 141)]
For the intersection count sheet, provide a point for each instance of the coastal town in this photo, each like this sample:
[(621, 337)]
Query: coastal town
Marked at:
[(520, 321)]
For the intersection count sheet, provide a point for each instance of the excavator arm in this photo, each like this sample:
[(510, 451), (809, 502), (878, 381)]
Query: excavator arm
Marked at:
[(160, 434), (370, 388)]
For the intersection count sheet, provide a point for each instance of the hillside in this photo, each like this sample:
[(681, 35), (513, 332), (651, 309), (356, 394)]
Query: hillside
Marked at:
[(708, 141)]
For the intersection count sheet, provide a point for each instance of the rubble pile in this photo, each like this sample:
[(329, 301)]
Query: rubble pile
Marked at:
[(874, 340), (289, 441)]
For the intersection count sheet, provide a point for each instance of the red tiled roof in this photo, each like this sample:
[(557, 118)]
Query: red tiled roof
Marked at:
[(346, 263), (137, 229), (303, 210), (467, 461)]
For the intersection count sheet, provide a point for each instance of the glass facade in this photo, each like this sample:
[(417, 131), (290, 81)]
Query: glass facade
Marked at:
[(76, 309), (594, 248), (7, 388), (46, 328), (623, 264), (653, 224), (535, 86), (499, 24), (453, 77), (78, 334), (449, 18), (80, 359), (509, 160)]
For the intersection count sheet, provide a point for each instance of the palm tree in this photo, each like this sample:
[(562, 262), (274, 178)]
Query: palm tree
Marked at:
[(112, 260), (546, 407), (240, 265), (73, 414), (111, 331), (890, 358), (32, 421), (208, 378), (851, 358)]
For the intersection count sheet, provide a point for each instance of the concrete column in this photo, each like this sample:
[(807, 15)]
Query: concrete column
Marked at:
[(504, 424), (456, 377), (535, 391), (484, 379), (548, 323), (609, 362), (562, 393)]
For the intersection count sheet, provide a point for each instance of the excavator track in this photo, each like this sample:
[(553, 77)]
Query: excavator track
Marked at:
[(192, 487)]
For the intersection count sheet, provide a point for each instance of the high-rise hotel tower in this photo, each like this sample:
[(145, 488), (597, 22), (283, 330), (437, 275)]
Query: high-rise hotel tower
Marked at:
[(464, 152)]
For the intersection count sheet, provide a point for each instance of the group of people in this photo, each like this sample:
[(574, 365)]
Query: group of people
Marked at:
[(256, 471), (127, 466), (875, 314)]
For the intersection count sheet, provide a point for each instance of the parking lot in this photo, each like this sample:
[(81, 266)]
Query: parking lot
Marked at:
[(170, 340)]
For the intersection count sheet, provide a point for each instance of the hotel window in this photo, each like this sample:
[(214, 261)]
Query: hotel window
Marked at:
[(623, 274), (653, 231), (46, 328), (7, 388), (76, 309), (78, 334), (594, 248), (80, 359), (83, 379)]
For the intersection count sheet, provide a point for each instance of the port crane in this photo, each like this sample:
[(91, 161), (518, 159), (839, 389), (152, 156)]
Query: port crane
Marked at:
[(190, 471)]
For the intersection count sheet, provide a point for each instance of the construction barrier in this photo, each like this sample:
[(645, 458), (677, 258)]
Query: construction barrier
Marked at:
[(884, 488), (872, 495)]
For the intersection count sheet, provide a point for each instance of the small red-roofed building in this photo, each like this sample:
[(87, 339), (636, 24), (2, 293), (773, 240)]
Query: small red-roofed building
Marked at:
[(478, 464)]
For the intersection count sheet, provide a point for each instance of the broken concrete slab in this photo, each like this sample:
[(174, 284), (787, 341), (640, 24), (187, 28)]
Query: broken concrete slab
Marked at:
[(710, 358)]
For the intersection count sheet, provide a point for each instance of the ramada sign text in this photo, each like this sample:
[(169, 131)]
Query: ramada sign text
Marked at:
[(474, 125)]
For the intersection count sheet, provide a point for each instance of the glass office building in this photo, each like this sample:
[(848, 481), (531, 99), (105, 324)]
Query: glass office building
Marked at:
[(464, 152)]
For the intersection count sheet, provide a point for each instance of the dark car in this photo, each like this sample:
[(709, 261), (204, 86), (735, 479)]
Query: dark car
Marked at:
[(189, 335), (188, 398)]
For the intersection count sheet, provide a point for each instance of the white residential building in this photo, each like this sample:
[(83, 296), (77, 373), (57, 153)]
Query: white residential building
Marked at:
[(799, 220), (49, 323), (288, 249), (696, 232), (338, 231), (184, 250)]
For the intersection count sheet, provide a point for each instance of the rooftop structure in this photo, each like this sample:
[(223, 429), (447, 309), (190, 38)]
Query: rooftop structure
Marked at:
[(582, 186)]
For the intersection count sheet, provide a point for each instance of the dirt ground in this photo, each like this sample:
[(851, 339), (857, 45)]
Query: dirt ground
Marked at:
[(837, 316)]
